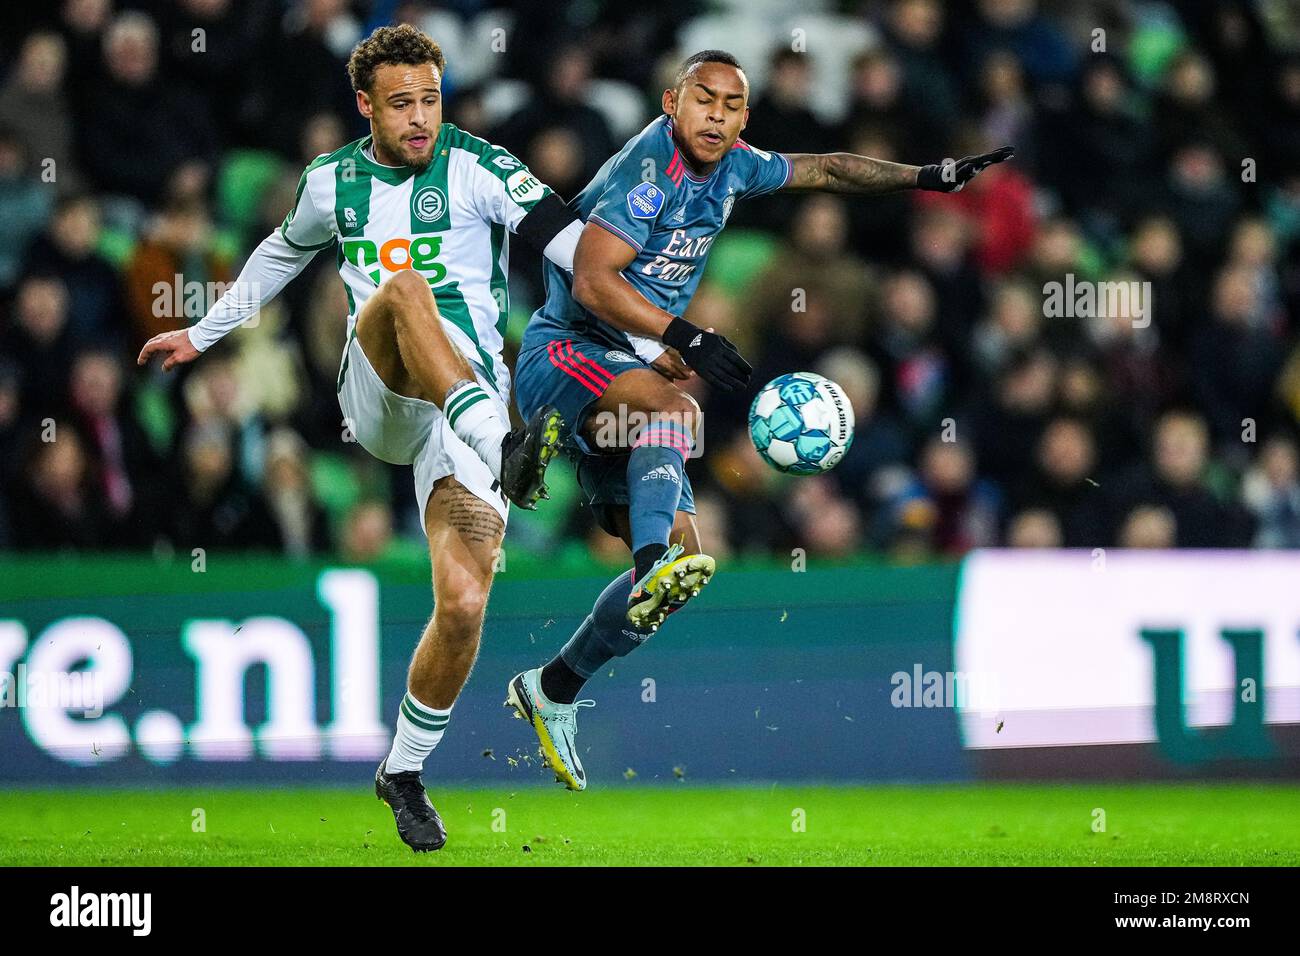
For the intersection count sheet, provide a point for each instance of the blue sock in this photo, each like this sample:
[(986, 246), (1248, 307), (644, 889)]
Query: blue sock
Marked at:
[(604, 635), (654, 486)]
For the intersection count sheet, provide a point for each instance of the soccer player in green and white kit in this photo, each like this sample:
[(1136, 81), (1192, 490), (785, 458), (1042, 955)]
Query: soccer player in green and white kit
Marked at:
[(418, 213)]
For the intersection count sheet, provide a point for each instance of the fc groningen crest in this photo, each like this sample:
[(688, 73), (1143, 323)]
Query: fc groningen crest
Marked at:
[(429, 204)]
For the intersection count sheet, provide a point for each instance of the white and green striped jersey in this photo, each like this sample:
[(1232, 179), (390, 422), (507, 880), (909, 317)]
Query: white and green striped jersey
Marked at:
[(448, 222)]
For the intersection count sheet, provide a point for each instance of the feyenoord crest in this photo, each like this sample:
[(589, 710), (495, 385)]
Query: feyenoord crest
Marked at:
[(726, 208), (429, 204)]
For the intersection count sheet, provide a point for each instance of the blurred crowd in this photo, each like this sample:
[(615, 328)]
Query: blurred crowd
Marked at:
[(147, 145)]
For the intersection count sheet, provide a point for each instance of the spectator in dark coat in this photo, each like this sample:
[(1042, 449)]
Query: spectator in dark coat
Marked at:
[(562, 102), (57, 506), (1175, 480), (780, 118), (217, 509), (1065, 483), (217, 50), (34, 104), (67, 250), (138, 129), (124, 470), (1234, 359), (39, 342)]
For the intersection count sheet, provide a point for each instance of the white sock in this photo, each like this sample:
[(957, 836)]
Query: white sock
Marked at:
[(419, 728), (477, 422)]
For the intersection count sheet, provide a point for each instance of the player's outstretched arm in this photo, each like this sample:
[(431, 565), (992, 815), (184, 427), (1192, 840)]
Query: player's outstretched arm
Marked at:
[(599, 287), (862, 175), (268, 270)]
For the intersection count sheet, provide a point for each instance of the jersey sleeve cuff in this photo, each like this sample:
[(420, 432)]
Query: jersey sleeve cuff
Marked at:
[(198, 342), (789, 170), (615, 230)]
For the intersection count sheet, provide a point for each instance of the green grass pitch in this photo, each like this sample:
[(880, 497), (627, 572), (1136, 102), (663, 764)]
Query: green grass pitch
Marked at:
[(686, 824)]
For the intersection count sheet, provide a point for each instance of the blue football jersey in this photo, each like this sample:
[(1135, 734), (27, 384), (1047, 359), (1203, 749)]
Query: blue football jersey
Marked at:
[(646, 196)]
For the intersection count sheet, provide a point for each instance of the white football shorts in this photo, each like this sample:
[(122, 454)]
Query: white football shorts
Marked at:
[(406, 431)]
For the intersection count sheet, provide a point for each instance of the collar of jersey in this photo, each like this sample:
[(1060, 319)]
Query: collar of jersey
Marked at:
[(668, 128), (392, 175)]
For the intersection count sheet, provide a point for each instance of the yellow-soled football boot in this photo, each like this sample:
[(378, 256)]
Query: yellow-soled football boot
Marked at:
[(667, 586)]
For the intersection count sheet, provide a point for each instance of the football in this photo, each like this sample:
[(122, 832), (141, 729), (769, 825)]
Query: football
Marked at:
[(801, 423)]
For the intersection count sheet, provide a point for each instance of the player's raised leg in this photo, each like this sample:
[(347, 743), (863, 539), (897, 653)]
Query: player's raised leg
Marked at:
[(665, 574), (547, 697), (401, 332), (632, 425), (465, 535)]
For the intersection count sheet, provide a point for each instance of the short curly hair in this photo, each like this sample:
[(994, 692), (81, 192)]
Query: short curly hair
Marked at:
[(401, 44)]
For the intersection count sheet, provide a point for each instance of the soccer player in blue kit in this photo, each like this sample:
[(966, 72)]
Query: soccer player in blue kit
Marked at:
[(609, 342)]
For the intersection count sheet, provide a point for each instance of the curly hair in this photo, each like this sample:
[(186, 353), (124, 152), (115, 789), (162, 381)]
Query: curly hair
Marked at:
[(401, 44)]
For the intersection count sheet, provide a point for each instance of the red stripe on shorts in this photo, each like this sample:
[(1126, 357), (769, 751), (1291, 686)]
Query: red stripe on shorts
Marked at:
[(559, 361), (599, 372)]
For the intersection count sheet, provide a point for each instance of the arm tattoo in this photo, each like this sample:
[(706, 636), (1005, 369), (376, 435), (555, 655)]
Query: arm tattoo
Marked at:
[(849, 173)]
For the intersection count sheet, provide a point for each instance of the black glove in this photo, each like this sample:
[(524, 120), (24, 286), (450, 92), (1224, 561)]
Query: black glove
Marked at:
[(949, 177), (714, 358)]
